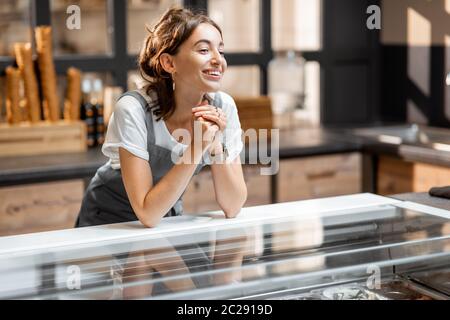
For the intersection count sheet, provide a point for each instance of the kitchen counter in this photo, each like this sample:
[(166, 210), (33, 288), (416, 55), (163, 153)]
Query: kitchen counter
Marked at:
[(294, 143), (30, 169), (411, 143), (315, 249)]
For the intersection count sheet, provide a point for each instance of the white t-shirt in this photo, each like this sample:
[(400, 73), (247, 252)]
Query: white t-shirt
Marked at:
[(127, 129)]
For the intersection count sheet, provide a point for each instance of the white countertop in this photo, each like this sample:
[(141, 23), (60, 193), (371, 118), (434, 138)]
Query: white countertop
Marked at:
[(43, 241)]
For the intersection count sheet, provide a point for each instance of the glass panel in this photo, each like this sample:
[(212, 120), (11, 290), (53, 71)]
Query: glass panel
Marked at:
[(242, 81), (296, 25), (239, 20), (93, 35), (258, 256), (14, 25), (142, 13)]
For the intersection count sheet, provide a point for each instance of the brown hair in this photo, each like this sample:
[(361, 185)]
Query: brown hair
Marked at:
[(170, 32)]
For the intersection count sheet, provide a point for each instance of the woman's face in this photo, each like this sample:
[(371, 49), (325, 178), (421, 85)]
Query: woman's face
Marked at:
[(200, 62)]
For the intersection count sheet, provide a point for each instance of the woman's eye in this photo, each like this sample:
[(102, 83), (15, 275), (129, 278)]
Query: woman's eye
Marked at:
[(204, 50), (222, 53)]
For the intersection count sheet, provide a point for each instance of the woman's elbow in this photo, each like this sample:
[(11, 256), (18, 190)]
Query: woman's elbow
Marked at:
[(231, 211), (150, 223), (148, 220)]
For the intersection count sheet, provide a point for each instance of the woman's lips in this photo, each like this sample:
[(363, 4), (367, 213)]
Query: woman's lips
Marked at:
[(212, 77)]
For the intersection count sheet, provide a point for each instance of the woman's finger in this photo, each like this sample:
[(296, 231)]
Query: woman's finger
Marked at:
[(217, 120), (203, 108), (201, 113)]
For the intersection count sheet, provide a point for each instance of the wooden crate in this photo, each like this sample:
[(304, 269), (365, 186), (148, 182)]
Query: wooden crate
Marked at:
[(255, 113), (42, 138)]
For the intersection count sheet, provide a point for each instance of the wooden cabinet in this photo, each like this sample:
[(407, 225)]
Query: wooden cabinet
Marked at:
[(319, 176), (398, 176), (40, 207), (55, 205), (200, 197)]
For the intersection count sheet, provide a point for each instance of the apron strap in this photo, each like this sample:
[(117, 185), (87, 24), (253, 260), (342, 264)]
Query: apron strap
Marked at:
[(148, 114)]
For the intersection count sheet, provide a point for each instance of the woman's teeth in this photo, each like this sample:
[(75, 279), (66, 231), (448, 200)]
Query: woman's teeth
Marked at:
[(213, 73)]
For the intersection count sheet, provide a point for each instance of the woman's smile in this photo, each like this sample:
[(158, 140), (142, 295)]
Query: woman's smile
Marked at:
[(212, 74)]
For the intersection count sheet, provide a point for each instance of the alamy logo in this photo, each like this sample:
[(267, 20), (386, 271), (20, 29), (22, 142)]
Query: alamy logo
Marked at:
[(74, 20), (73, 281), (261, 149), (374, 280), (374, 20)]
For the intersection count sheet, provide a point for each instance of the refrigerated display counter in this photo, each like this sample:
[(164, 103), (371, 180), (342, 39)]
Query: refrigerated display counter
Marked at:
[(363, 247)]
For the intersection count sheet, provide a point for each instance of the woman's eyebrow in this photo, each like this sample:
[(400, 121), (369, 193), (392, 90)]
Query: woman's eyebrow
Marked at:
[(207, 41)]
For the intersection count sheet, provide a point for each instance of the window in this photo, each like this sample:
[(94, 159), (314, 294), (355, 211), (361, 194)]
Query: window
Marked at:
[(239, 21), (142, 13), (296, 25), (14, 25), (93, 36)]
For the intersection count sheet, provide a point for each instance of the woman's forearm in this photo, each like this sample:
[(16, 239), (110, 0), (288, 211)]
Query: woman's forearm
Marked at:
[(230, 188), (162, 196)]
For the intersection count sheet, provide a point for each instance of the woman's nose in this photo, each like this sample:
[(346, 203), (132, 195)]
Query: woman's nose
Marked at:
[(216, 58)]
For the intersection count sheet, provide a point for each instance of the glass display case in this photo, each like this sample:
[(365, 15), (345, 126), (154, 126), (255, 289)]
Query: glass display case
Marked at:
[(346, 247)]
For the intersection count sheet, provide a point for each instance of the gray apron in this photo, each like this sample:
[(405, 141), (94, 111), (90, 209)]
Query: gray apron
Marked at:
[(105, 200)]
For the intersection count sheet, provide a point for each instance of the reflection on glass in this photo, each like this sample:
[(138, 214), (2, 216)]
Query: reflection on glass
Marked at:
[(92, 37), (242, 81), (298, 235), (294, 251), (296, 25), (141, 13), (239, 21), (14, 25)]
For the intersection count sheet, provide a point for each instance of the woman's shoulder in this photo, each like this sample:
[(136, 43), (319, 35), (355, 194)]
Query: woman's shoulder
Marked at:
[(131, 101)]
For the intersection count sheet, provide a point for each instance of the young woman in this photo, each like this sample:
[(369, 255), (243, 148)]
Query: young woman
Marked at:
[(183, 64)]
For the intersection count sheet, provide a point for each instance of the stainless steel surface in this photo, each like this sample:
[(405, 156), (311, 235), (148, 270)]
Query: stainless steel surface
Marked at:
[(414, 134), (305, 255)]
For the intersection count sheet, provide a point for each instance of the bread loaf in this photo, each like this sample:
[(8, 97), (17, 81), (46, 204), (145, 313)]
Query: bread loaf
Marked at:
[(24, 60), (13, 113), (48, 73), (73, 95)]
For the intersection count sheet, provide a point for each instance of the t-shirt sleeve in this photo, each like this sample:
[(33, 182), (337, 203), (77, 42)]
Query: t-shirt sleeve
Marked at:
[(233, 131), (126, 129)]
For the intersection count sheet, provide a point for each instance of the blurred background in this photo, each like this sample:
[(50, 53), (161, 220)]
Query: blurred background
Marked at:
[(360, 107)]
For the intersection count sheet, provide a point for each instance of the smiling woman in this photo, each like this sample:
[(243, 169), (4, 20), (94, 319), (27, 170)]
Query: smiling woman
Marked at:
[(182, 62)]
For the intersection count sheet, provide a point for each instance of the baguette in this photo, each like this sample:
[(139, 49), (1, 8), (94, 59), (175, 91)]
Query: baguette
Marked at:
[(48, 74)]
